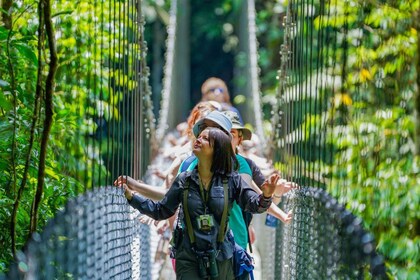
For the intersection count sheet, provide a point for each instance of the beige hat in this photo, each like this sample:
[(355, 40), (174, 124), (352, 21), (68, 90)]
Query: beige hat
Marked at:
[(236, 124)]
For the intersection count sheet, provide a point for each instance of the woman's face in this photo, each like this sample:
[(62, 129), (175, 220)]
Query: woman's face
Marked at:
[(202, 147)]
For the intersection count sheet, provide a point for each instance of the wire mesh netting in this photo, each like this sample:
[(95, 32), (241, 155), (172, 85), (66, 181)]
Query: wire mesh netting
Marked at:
[(94, 237), (324, 241)]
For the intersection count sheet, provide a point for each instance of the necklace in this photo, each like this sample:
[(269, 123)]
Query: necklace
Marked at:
[(205, 183)]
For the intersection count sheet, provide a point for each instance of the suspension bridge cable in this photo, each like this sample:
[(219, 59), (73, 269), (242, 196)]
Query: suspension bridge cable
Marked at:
[(135, 96)]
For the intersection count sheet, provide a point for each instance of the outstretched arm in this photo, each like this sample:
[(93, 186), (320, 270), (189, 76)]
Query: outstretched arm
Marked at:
[(157, 210), (153, 192), (275, 211)]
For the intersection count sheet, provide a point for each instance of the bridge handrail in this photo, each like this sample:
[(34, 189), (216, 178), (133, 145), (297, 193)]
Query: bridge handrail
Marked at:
[(94, 237), (323, 239)]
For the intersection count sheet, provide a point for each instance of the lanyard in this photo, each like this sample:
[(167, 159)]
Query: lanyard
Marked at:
[(205, 194)]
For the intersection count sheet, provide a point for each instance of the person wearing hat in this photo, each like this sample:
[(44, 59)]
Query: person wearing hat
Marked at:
[(213, 119), (204, 247), (248, 170)]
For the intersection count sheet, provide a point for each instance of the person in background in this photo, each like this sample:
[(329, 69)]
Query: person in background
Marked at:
[(215, 89), (204, 247)]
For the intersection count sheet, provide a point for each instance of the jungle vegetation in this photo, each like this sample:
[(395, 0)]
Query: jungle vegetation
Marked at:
[(45, 101)]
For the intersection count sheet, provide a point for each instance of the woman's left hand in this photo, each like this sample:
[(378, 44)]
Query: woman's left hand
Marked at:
[(269, 186)]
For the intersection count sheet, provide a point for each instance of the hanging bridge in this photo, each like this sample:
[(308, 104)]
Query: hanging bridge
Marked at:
[(98, 236)]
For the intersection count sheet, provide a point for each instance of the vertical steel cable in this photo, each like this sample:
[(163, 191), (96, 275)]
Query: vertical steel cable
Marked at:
[(332, 66), (320, 141), (113, 94), (141, 120), (116, 86), (87, 105), (288, 132), (299, 92), (103, 119), (139, 92), (96, 100), (290, 135), (127, 97), (110, 122), (327, 75), (122, 86), (91, 95), (344, 45), (306, 100), (132, 70), (312, 94), (293, 93)]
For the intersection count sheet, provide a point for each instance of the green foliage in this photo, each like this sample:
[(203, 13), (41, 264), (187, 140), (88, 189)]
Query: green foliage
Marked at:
[(370, 120), (96, 72), (375, 171)]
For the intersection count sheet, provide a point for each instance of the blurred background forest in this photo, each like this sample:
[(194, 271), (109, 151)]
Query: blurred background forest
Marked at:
[(377, 119)]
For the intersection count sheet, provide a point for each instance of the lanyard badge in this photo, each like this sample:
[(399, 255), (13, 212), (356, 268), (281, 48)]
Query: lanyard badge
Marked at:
[(205, 222)]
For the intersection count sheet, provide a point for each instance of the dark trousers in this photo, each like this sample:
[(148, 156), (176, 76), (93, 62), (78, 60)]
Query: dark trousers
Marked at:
[(187, 267)]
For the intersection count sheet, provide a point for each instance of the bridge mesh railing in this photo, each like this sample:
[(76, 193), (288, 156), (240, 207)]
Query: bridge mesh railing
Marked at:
[(97, 237), (94, 237), (324, 241)]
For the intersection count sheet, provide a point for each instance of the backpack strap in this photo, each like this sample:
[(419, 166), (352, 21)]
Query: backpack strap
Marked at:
[(187, 213), (223, 221), (186, 163)]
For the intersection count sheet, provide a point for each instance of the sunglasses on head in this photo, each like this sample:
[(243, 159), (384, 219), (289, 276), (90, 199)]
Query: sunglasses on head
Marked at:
[(216, 90)]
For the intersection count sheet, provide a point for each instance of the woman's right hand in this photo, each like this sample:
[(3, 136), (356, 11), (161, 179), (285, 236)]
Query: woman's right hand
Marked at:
[(124, 180)]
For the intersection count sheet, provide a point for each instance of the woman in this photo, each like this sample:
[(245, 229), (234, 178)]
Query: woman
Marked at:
[(200, 251), (251, 174)]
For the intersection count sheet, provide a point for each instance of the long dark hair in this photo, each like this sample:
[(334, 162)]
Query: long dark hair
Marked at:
[(224, 158)]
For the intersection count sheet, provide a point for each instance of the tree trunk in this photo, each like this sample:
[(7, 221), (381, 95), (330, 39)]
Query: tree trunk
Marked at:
[(49, 90)]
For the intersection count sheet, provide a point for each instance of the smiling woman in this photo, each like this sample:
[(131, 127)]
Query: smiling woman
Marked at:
[(214, 151), (203, 245)]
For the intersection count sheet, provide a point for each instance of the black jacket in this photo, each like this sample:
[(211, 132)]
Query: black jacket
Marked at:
[(239, 191)]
